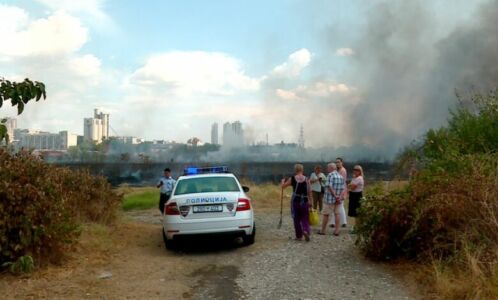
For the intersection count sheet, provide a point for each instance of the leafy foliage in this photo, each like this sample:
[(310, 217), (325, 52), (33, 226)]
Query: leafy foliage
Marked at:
[(43, 206), (19, 94), (3, 131), (449, 211), (24, 264)]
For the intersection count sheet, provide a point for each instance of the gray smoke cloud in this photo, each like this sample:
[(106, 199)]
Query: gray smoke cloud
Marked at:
[(408, 74), (408, 63)]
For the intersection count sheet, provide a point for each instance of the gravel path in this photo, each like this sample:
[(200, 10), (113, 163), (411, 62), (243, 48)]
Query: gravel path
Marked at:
[(277, 267)]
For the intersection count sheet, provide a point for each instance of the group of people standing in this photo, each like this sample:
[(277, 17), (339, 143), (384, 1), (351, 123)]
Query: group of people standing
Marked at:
[(326, 194)]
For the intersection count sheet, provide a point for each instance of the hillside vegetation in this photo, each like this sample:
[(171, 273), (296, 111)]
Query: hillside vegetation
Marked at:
[(447, 216)]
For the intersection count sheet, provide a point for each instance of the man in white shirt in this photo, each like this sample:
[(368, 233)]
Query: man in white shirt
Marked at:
[(318, 181), (166, 184)]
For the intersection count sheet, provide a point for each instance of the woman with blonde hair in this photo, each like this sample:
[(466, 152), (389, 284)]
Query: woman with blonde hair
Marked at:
[(355, 191), (300, 202)]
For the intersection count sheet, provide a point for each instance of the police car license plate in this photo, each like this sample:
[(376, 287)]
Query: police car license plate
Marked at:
[(208, 208)]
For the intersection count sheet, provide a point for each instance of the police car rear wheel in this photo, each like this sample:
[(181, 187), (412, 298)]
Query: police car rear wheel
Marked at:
[(169, 244), (249, 239)]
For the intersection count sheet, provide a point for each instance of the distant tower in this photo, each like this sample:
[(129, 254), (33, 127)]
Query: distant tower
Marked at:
[(227, 133), (238, 133), (96, 128), (266, 139), (300, 141), (214, 134)]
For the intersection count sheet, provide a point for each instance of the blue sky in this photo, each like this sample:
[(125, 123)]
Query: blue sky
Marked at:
[(168, 69)]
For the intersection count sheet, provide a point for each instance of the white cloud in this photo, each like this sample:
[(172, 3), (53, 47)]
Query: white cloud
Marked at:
[(287, 95), (86, 65), (319, 89), (296, 62), (194, 72), (344, 52), (11, 18), (58, 34), (93, 8), (48, 49), (325, 89)]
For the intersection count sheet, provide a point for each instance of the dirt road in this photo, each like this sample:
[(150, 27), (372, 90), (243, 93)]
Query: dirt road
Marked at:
[(130, 262)]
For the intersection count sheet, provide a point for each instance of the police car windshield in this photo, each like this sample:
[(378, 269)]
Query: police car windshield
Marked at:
[(206, 185)]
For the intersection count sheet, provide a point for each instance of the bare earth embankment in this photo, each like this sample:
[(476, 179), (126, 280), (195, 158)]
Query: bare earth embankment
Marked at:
[(129, 261)]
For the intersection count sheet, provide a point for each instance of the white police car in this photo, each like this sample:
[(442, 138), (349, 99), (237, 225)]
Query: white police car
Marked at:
[(208, 201)]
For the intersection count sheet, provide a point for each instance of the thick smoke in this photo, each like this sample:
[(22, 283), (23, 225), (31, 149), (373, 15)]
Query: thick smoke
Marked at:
[(409, 61), (408, 74)]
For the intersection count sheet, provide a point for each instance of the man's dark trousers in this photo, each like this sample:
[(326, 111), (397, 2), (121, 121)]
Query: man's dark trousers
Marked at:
[(162, 200)]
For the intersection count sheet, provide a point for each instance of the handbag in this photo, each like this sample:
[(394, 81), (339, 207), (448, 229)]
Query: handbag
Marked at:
[(314, 218)]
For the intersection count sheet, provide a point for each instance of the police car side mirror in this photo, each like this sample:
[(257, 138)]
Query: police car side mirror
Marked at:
[(245, 189)]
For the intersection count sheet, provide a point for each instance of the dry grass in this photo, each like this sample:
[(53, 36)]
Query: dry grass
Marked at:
[(266, 196)]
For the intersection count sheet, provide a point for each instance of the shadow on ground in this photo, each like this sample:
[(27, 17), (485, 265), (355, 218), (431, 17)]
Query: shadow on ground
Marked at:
[(207, 244)]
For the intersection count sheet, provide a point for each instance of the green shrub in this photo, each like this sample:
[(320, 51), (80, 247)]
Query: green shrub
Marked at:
[(437, 214), (42, 207), (24, 264), (448, 213)]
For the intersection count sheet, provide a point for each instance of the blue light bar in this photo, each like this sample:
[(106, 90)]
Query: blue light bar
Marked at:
[(207, 170)]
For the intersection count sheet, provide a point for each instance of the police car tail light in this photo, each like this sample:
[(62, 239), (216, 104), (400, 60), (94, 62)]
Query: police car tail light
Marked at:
[(171, 209), (243, 205)]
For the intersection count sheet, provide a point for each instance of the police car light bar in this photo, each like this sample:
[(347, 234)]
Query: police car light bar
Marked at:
[(207, 170)]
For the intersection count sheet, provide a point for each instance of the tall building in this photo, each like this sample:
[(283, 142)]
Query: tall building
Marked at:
[(92, 129), (227, 133), (238, 133), (233, 134), (97, 128), (237, 128), (105, 122), (214, 134)]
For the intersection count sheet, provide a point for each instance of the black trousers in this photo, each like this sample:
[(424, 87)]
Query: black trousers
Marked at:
[(354, 203), (162, 200)]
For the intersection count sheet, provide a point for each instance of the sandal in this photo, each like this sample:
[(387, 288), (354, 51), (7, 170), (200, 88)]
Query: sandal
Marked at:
[(320, 232), (306, 237)]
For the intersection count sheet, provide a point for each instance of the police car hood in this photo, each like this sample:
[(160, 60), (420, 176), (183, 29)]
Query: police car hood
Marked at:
[(208, 198)]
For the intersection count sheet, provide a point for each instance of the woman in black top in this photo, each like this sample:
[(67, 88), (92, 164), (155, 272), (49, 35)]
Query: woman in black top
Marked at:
[(300, 203)]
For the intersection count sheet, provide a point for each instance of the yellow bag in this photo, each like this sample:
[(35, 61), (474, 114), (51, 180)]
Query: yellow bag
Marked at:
[(314, 217)]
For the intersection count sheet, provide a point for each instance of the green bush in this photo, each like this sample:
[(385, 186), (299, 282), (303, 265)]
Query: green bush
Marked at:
[(448, 213), (42, 207), (436, 215)]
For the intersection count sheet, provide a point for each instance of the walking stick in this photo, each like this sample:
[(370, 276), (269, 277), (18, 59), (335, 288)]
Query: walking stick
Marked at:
[(281, 207)]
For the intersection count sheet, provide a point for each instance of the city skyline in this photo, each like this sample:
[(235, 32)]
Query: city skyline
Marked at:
[(271, 65), (97, 128)]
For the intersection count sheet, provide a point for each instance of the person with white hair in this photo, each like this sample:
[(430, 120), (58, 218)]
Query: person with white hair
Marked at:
[(334, 195)]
